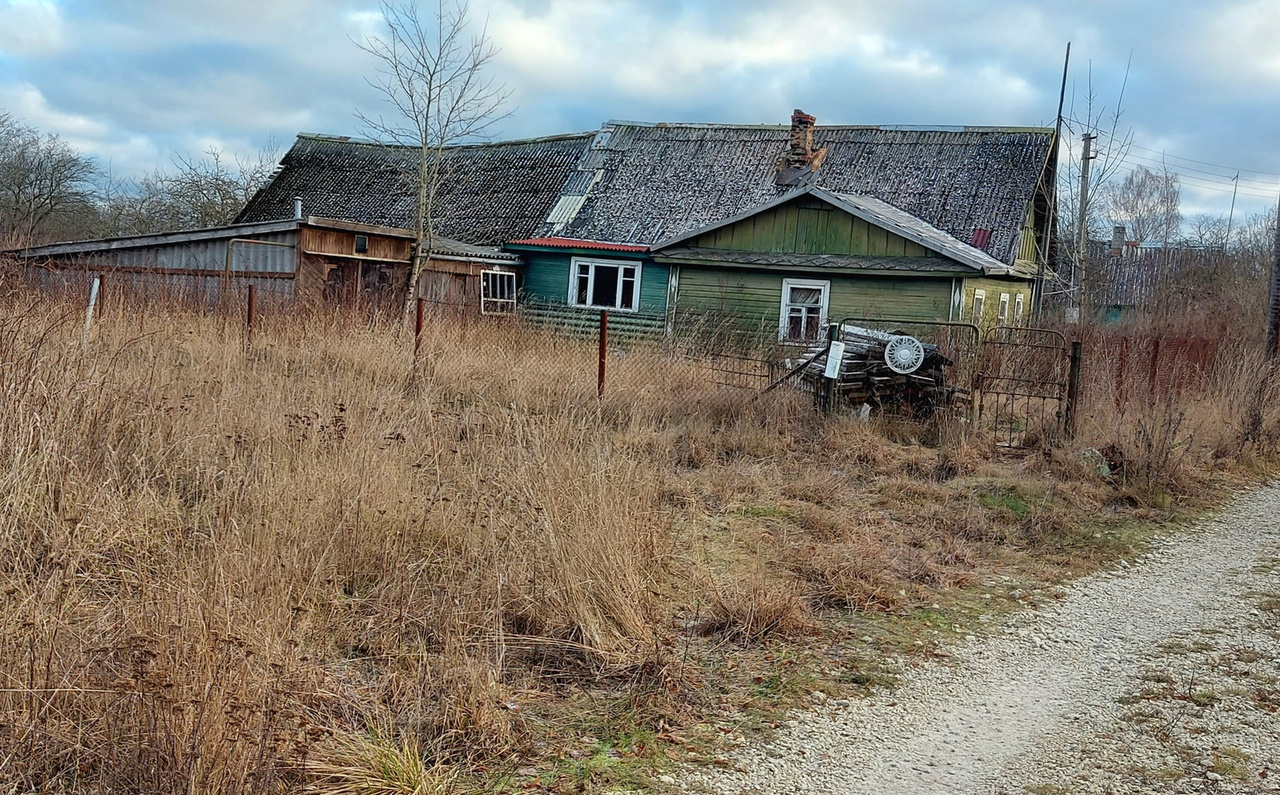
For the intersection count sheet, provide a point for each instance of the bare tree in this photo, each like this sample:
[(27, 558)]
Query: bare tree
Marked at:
[(197, 192), (1206, 231), (1148, 204), (432, 72), (1088, 114), (46, 187)]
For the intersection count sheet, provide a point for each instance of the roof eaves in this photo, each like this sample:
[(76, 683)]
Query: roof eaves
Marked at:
[(156, 238)]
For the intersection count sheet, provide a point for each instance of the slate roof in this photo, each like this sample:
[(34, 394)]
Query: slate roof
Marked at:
[(641, 183), (806, 261), (491, 193)]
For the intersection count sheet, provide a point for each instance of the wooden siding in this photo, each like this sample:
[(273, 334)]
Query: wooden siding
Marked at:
[(991, 301), (1027, 242), (750, 300), (810, 226), (546, 281)]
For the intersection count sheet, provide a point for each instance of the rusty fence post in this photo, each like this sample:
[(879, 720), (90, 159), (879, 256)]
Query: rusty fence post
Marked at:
[(417, 328), (1072, 407), (604, 351), (250, 311)]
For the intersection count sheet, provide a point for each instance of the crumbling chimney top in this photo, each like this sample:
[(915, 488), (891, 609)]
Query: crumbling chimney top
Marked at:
[(800, 158)]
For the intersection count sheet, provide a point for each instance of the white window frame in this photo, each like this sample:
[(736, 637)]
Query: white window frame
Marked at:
[(592, 263), (978, 307), (784, 305), (490, 305), (1002, 309), (1019, 309)]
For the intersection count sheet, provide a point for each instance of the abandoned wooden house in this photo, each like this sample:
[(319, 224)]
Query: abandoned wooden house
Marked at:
[(779, 229), (672, 226), (297, 260)]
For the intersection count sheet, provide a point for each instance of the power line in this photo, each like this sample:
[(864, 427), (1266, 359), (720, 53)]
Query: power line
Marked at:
[(1197, 182), (1123, 143)]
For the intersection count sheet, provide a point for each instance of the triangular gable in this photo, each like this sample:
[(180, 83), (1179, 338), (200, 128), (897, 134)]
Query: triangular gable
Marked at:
[(915, 237)]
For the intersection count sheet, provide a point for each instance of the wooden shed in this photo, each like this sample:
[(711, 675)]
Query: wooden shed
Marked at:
[(307, 260)]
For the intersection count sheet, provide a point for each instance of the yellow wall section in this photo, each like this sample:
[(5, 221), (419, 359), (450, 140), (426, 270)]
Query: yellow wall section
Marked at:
[(993, 288)]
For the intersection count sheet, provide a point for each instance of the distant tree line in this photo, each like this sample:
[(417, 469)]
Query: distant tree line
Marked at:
[(49, 191)]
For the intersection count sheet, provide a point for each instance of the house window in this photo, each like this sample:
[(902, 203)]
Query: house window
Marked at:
[(1002, 309), (979, 303), (497, 293), (604, 284), (1018, 308), (362, 244), (804, 310)]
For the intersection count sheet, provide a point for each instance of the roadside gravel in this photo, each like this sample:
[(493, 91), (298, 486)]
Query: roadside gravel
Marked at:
[(1159, 676)]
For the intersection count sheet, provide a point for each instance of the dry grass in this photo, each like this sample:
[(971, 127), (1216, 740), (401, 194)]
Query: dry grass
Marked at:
[(298, 565)]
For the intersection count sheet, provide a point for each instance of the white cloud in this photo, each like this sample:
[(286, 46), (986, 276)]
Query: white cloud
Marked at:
[(25, 102), (30, 28)]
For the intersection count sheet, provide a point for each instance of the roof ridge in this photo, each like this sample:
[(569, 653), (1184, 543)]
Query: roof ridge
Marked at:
[(347, 139), (976, 128)]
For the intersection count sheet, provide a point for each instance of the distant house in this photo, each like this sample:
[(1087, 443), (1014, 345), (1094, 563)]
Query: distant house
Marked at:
[(673, 224)]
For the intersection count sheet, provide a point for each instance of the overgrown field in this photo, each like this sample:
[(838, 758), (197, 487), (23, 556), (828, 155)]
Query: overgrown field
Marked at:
[(311, 562)]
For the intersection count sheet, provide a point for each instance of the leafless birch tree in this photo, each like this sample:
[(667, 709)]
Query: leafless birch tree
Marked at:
[(432, 71)]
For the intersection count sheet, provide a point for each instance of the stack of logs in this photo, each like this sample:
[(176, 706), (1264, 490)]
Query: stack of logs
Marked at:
[(866, 378)]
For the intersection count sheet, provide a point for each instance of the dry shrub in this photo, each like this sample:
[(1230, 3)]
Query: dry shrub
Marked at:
[(212, 558), (758, 607)]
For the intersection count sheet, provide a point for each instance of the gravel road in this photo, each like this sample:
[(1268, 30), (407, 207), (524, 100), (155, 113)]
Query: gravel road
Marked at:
[(1159, 676)]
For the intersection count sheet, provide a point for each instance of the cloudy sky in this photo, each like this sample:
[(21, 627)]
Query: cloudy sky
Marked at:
[(134, 81)]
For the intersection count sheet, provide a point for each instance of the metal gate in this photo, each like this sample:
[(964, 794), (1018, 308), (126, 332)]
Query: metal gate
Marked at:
[(1023, 386)]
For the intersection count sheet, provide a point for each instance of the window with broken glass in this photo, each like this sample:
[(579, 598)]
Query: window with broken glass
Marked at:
[(804, 310), (497, 293), (605, 284)]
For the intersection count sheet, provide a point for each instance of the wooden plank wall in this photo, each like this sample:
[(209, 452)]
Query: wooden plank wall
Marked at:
[(811, 227)]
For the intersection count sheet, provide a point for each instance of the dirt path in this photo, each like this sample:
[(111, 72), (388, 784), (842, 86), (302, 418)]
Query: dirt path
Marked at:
[(1136, 681)]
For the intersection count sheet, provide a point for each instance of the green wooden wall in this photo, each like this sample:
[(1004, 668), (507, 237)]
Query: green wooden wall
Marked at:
[(991, 305), (751, 299), (810, 226), (544, 294)]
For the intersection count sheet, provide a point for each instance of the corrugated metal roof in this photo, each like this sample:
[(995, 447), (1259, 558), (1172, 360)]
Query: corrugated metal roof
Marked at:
[(568, 242), (489, 193)]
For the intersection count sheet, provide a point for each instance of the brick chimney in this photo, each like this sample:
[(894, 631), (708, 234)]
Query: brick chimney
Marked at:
[(1117, 240), (800, 158)]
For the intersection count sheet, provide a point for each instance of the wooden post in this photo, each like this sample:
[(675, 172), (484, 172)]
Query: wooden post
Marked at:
[(1273, 309), (829, 381), (88, 312), (1071, 410), (604, 351), (248, 320), (1155, 366), (417, 328)]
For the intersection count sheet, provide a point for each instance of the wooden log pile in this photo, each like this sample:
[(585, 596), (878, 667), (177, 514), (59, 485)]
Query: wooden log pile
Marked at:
[(887, 371)]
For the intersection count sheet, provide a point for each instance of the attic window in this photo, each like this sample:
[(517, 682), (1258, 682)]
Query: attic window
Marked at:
[(362, 244), (981, 237)]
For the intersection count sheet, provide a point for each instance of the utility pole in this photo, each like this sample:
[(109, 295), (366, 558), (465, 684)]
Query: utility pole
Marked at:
[(1235, 186), (1052, 221), (1273, 312), (1082, 249)]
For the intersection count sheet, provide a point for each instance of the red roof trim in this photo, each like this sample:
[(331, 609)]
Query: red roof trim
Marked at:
[(568, 242)]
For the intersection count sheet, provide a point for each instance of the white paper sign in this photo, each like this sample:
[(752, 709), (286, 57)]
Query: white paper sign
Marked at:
[(834, 357)]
